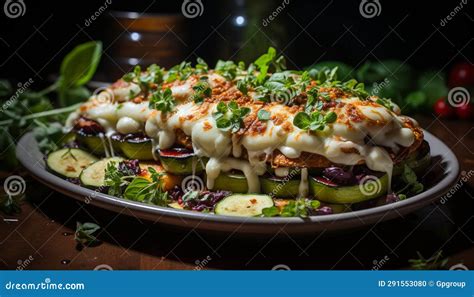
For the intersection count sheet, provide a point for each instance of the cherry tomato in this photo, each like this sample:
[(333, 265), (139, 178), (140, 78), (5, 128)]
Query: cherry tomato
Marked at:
[(462, 74), (443, 109), (465, 111)]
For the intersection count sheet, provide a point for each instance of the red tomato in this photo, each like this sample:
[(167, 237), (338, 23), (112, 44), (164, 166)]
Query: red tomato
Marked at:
[(443, 109), (462, 74), (465, 111)]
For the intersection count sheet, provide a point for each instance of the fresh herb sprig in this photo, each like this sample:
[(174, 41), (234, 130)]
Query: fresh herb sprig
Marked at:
[(295, 208), (229, 117), (181, 71), (162, 100), (116, 179), (148, 190), (145, 80), (84, 234), (266, 60), (315, 121), (202, 90)]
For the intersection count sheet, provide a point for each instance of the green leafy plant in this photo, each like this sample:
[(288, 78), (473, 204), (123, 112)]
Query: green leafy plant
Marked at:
[(116, 179), (146, 80), (162, 100), (264, 62), (314, 121), (295, 208), (84, 234), (25, 109), (263, 115), (179, 72), (229, 117), (147, 191), (202, 90)]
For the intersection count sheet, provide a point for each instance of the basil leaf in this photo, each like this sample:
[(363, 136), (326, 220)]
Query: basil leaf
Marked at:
[(330, 117), (80, 64)]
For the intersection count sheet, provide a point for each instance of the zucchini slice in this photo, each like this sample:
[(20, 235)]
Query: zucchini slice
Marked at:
[(93, 176), (94, 143), (233, 182), (326, 191), (280, 187), (137, 148), (69, 162), (180, 161), (248, 205)]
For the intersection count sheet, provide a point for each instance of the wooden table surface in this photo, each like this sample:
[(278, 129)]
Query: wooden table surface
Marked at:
[(42, 237)]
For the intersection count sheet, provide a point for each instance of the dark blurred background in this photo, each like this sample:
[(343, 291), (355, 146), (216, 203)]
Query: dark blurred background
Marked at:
[(304, 31)]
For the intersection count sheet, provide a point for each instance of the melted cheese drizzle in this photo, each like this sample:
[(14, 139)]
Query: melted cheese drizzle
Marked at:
[(343, 142)]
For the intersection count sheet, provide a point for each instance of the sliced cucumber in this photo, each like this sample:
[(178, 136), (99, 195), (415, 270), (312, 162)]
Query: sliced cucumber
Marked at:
[(141, 149), (280, 187), (248, 205), (326, 191), (180, 161), (93, 176), (233, 182), (69, 162)]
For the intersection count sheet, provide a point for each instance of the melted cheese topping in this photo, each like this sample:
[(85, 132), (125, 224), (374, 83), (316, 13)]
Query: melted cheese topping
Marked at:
[(360, 135)]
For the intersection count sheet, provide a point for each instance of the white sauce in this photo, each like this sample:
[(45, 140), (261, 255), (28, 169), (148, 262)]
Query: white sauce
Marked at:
[(223, 148)]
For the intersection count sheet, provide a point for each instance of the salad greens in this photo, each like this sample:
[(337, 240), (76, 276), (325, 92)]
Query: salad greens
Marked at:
[(25, 109)]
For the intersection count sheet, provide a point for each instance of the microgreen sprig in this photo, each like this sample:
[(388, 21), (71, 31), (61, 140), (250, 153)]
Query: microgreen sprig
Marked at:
[(314, 121), (229, 117), (162, 100)]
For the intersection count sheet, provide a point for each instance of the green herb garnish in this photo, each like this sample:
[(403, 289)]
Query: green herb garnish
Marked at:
[(202, 90), (315, 121), (227, 69), (263, 115), (229, 117), (147, 191), (295, 208), (162, 100), (84, 233)]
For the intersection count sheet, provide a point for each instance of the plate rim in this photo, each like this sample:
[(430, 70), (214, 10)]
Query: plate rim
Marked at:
[(30, 162)]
